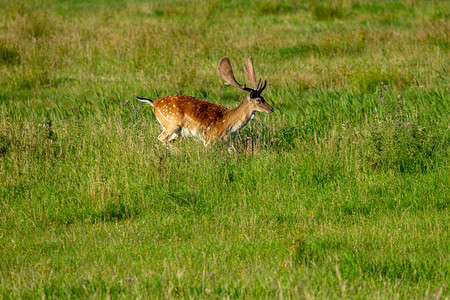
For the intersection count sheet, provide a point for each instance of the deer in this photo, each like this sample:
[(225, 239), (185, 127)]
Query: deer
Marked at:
[(187, 116)]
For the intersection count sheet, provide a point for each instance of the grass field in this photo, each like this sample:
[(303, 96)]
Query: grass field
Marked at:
[(342, 192)]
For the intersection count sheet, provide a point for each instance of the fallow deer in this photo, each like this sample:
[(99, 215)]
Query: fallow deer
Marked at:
[(181, 115)]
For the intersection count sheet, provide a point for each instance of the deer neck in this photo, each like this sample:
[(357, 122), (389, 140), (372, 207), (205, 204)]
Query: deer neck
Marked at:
[(240, 116)]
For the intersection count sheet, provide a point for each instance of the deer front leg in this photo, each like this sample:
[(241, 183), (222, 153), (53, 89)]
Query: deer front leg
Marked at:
[(230, 143)]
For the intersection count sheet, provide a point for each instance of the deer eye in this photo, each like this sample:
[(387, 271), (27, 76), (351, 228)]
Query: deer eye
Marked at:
[(258, 100)]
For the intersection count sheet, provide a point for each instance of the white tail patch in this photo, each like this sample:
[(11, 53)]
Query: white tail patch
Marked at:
[(145, 100)]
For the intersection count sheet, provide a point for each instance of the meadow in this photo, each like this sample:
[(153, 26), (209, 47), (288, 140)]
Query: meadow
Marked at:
[(342, 192)]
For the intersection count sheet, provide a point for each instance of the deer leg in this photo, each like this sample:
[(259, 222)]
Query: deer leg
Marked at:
[(163, 137), (206, 140), (173, 136), (168, 135), (230, 143)]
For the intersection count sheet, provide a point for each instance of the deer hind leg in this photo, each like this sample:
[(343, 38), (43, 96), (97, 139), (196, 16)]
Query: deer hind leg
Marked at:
[(168, 135)]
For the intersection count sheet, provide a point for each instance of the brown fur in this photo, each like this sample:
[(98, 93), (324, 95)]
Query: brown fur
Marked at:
[(206, 119), (202, 117)]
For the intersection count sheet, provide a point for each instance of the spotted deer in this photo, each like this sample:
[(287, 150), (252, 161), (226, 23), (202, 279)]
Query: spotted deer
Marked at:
[(181, 115)]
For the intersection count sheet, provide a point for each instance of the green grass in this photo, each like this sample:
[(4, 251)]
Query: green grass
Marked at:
[(342, 192)]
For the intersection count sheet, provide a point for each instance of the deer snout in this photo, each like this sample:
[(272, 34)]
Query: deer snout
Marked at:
[(268, 109)]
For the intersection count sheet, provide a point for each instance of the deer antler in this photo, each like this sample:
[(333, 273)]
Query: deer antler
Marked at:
[(226, 73), (249, 69), (250, 72), (261, 87)]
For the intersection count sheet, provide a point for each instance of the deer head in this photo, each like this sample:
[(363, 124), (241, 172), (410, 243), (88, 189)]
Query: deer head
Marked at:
[(255, 101)]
